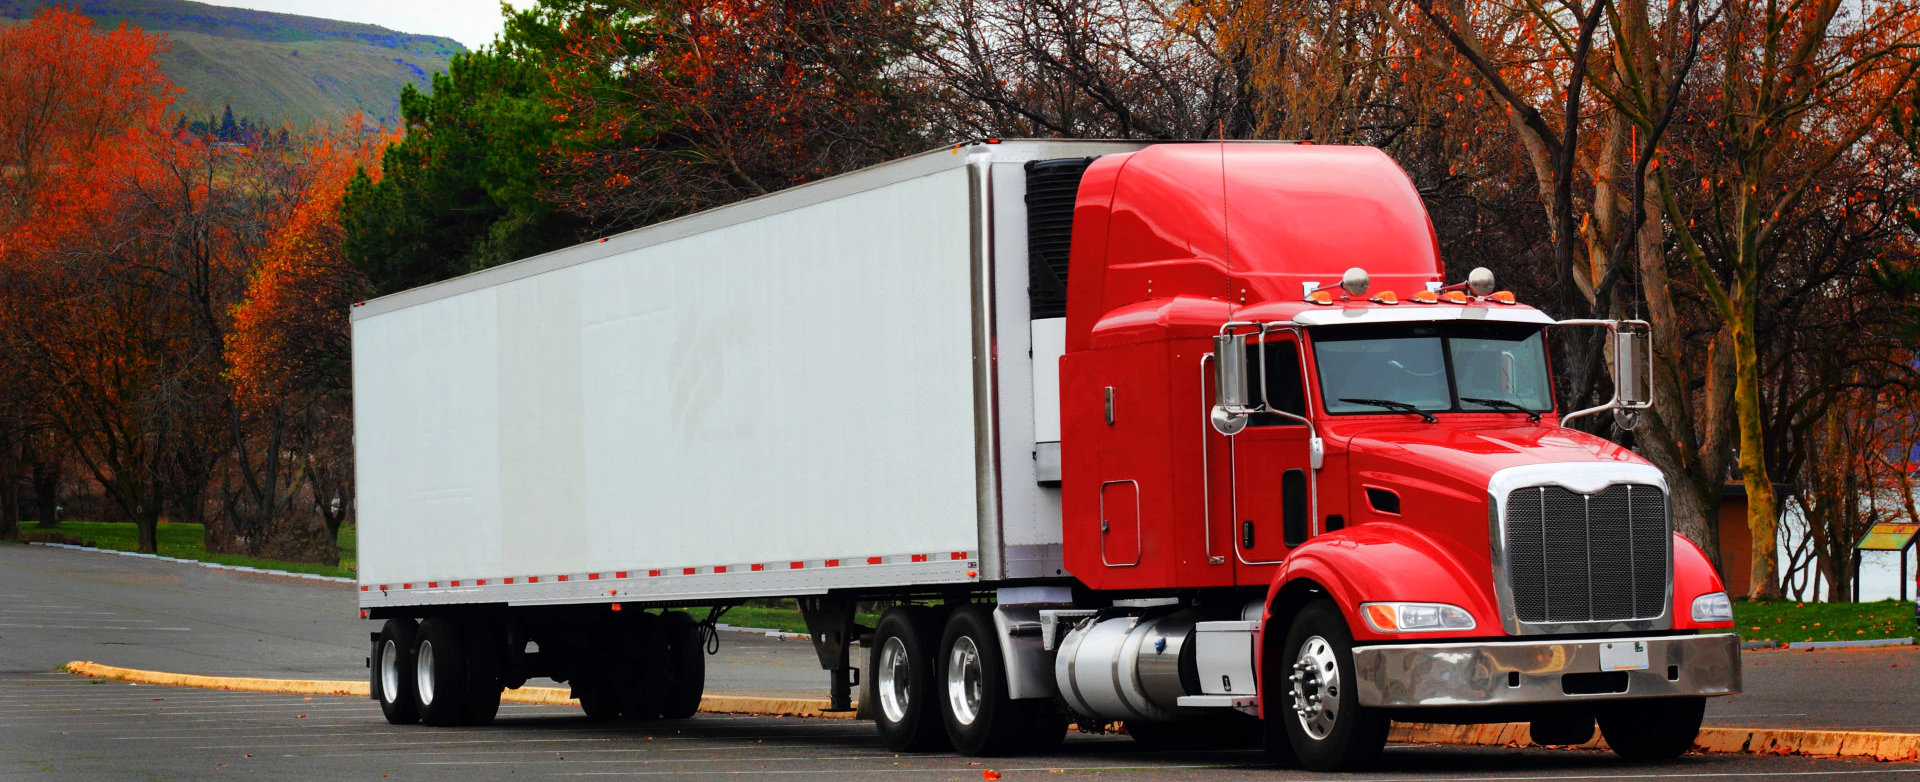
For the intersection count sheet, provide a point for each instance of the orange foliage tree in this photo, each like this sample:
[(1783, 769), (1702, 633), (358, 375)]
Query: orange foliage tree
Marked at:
[(288, 350)]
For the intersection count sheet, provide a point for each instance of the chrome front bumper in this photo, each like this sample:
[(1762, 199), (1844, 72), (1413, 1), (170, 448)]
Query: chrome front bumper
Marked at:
[(1497, 673)]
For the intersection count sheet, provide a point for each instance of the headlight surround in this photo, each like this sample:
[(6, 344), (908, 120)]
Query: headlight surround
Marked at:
[(1400, 617), (1713, 608)]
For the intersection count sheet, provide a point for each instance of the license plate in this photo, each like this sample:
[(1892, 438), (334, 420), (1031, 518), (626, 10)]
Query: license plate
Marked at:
[(1623, 656)]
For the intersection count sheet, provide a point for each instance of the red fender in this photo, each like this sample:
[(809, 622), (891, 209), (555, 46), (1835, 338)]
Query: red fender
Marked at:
[(1693, 576)]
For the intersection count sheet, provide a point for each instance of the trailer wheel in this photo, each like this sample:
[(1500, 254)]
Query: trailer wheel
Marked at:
[(441, 688), (687, 664), (486, 662), (642, 676), (1326, 724), (904, 683), (392, 672), (596, 699), (1652, 729), (980, 718)]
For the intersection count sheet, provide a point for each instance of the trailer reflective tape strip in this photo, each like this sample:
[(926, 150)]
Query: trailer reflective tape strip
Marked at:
[(533, 579), (481, 582), (959, 555), (653, 573), (456, 583), (796, 566), (833, 563), (593, 576), (508, 580), (433, 585), (620, 574), (406, 586), (689, 571), (720, 568), (919, 557), (363, 588), (563, 576)]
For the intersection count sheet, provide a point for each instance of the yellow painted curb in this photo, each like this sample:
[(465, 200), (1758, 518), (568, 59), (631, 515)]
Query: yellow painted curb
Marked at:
[(1763, 741), (553, 696)]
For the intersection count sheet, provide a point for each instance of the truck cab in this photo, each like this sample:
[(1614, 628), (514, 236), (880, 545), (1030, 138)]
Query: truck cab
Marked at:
[(1269, 389)]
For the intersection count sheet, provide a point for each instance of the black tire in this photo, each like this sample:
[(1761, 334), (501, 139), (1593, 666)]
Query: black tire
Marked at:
[(597, 698), (971, 682), (641, 675), (907, 716), (1345, 736), (486, 662), (393, 662), (1654, 729), (441, 687), (686, 665)]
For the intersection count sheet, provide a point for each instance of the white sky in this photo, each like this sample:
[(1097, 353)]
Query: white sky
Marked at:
[(471, 22)]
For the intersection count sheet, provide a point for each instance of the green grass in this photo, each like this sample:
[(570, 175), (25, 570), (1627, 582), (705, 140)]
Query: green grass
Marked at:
[(1788, 621), (187, 541), (776, 614)]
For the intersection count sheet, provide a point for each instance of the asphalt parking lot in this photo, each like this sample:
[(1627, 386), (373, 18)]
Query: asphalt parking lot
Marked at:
[(57, 606), (65, 727)]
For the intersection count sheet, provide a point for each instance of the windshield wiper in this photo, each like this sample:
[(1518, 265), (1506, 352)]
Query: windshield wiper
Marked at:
[(1533, 416), (1392, 405)]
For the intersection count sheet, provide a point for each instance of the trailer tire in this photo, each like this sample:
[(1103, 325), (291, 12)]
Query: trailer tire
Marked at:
[(1318, 658), (641, 677), (981, 720), (441, 687), (905, 687), (391, 672), (486, 663), (687, 664), (597, 700), (1654, 729)]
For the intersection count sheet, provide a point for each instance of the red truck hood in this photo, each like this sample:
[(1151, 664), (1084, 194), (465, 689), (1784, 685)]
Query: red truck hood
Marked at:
[(1463, 452)]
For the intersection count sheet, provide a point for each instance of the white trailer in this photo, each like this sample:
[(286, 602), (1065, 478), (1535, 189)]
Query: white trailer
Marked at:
[(832, 388)]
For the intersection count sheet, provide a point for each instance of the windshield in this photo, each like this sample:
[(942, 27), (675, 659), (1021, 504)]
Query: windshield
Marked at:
[(1432, 367)]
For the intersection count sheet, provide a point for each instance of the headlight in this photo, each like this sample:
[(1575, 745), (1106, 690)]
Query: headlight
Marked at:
[(1712, 607), (1415, 617)]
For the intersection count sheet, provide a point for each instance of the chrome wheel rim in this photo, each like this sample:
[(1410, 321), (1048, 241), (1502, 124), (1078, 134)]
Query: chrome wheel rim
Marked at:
[(895, 671), (1315, 681), (423, 673), (389, 672), (966, 681)]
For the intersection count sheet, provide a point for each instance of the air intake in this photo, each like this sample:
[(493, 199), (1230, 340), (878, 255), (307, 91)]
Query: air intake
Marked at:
[(1052, 186)]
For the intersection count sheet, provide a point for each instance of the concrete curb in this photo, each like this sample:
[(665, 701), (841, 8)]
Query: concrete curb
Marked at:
[(1866, 644), (212, 565), (1720, 741), (551, 696), (1760, 741)]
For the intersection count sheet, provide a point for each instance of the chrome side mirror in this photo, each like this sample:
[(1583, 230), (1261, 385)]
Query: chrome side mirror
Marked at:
[(1633, 364), (1230, 383)]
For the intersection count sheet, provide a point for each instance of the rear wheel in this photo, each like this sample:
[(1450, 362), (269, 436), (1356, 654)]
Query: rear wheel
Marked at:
[(392, 672), (903, 680), (641, 675), (486, 661), (980, 718), (1318, 702), (441, 688), (1652, 729), (686, 664)]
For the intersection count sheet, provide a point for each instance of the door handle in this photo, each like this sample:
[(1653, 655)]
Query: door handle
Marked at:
[(1246, 534)]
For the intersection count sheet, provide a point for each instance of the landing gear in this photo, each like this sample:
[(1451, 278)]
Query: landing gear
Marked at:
[(1326, 725)]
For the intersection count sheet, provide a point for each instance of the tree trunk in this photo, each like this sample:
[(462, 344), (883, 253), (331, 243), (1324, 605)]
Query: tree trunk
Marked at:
[(1762, 516), (148, 524), (46, 492), (10, 496)]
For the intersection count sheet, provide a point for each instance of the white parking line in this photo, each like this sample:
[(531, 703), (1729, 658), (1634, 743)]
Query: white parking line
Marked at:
[(91, 627), (394, 744)]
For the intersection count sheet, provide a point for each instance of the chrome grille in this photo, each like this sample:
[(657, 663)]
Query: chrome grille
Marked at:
[(1599, 557)]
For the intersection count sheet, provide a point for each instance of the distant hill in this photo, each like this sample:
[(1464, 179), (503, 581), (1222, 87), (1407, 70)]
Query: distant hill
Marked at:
[(280, 68)]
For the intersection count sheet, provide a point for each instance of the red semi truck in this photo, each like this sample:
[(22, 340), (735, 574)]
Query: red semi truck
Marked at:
[(1194, 437)]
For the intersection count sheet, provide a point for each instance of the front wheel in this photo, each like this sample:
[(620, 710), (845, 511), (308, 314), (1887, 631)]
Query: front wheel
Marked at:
[(1652, 729), (1317, 700)]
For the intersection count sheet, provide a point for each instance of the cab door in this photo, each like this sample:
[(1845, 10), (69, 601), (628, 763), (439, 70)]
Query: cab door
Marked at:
[(1272, 474)]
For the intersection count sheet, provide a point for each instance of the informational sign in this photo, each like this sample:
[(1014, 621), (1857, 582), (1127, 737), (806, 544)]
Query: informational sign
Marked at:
[(1888, 536)]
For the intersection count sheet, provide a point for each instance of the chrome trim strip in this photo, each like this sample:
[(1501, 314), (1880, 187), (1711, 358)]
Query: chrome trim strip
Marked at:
[(1581, 478), (986, 399), (1477, 673)]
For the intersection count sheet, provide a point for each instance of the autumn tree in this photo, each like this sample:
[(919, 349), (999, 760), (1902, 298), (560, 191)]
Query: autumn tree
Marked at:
[(671, 107), (463, 190)]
